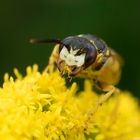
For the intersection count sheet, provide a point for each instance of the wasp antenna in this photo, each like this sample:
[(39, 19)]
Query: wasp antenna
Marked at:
[(43, 41)]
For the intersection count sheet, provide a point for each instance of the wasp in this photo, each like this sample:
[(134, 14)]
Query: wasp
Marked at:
[(87, 56)]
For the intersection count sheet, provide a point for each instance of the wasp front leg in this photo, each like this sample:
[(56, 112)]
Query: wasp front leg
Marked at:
[(52, 59)]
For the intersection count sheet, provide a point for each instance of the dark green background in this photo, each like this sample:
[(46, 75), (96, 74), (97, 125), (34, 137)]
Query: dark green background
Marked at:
[(116, 21)]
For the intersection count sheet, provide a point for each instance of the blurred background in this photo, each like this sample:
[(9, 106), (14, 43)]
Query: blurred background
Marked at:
[(117, 22)]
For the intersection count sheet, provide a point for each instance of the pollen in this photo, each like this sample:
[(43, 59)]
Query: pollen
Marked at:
[(39, 106)]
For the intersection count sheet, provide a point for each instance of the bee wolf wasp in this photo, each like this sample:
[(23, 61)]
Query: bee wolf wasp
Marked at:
[(87, 56)]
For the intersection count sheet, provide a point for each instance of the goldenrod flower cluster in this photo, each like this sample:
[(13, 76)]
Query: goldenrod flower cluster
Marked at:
[(39, 106)]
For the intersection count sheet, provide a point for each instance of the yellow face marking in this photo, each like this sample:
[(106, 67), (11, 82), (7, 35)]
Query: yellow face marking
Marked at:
[(70, 58)]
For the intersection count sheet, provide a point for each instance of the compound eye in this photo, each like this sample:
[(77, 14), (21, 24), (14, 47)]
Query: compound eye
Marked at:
[(63, 53)]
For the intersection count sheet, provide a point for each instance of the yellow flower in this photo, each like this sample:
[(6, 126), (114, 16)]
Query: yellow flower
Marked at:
[(39, 106)]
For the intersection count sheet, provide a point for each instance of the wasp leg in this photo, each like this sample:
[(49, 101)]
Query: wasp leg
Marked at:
[(52, 60), (110, 89)]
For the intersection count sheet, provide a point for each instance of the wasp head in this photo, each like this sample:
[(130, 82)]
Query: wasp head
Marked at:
[(75, 54)]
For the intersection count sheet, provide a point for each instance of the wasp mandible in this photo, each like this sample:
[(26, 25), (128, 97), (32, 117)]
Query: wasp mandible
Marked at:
[(87, 56)]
